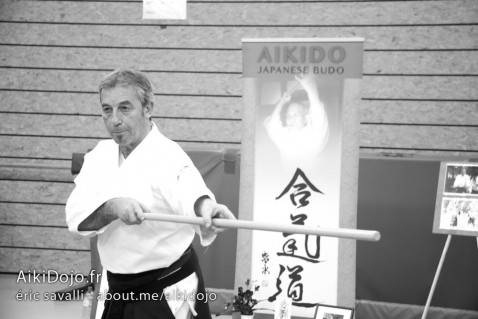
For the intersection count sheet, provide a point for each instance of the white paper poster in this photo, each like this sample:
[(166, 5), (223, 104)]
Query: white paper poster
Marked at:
[(164, 9)]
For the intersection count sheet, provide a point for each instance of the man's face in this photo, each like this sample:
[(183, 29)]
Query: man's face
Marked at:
[(463, 171), (295, 117), (126, 120)]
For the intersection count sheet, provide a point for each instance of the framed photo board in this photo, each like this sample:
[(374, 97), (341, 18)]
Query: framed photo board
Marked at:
[(456, 208), (333, 312)]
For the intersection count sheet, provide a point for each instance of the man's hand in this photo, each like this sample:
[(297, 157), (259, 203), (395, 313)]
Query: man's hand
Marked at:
[(128, 210), (307, 81), (208, 209), (285, 98)]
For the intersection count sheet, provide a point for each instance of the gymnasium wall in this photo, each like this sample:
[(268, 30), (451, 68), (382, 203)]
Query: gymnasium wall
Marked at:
[(419, 90)]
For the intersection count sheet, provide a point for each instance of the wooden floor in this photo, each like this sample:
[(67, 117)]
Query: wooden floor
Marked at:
[(11, 308)]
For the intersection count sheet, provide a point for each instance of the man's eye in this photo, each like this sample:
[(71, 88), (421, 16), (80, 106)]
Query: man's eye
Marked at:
[(106, 110), (124, 108)]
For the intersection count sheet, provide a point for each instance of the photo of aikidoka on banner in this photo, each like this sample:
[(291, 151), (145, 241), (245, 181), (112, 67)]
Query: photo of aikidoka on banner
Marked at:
[(298, 125)]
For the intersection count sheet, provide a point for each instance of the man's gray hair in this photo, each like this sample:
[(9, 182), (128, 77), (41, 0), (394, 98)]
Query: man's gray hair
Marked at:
[(133, 78)]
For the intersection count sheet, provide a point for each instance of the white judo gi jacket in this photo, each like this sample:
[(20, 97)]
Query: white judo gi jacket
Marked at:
[(160, 175)]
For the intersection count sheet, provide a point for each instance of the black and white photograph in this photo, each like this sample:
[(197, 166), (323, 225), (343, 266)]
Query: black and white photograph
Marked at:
[(333, 312), (459, 214), (461, 179), (208, 159)]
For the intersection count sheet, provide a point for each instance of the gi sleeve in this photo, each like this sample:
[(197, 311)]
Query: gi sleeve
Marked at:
[(191, 187), (86, 197), (274, 128), (319, 122)]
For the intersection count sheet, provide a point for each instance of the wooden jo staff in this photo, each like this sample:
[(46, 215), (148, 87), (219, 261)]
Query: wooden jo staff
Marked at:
[(357, 234)]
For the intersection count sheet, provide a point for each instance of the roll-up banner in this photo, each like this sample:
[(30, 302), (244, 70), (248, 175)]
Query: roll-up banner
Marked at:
[(300, 166)]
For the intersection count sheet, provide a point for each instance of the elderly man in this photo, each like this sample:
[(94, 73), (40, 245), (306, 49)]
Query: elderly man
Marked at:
[(140, 171)]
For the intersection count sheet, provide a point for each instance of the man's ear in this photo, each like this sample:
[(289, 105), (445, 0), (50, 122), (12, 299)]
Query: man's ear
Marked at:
[(148, 110)]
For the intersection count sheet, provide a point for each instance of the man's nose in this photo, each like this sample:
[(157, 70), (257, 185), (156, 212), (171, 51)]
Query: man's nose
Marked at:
[(116, 118)]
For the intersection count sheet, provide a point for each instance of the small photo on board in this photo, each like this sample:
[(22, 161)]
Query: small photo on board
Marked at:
[(459, 214), (461, 179), (333, 312)]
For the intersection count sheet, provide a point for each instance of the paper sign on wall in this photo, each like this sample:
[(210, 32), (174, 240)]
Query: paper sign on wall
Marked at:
[(164, 9)]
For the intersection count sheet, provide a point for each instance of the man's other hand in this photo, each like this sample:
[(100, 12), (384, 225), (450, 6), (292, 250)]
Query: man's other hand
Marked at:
[(208, 209)]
